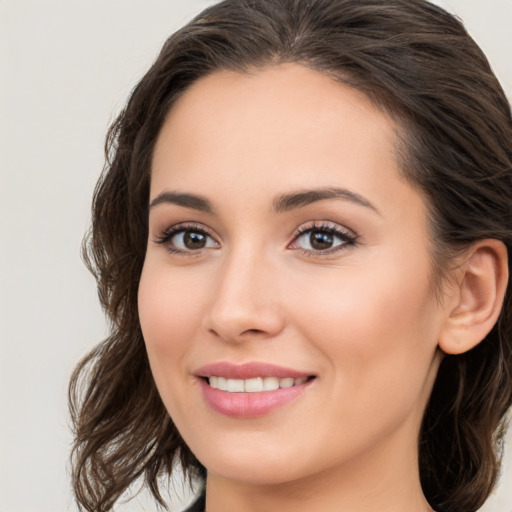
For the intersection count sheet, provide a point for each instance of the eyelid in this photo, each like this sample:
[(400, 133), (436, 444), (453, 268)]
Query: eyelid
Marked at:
[(164, 238), (348, 237)]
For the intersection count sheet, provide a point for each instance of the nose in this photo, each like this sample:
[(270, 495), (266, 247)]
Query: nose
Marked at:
[(245, 303)]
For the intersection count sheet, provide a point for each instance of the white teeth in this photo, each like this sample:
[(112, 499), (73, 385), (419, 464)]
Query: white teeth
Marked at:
[(254, 385), (286, 383), (222, 382), (235, 385), (270, 383)]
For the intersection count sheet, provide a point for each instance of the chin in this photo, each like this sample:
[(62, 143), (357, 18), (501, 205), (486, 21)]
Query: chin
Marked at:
[(254, 465), (259, 473)]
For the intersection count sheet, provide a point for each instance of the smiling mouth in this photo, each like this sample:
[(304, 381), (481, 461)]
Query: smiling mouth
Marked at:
[(251, 389), (254, 385)]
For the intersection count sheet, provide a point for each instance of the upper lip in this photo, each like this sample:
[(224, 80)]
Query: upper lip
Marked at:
[(248, 370)]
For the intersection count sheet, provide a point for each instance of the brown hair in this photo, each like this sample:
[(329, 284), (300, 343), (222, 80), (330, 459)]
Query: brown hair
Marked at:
[(413, 60)]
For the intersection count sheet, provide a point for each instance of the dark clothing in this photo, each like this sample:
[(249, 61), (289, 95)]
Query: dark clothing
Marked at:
[(198, 505)]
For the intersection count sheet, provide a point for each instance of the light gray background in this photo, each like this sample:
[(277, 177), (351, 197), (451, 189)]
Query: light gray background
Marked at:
[(66, 68)]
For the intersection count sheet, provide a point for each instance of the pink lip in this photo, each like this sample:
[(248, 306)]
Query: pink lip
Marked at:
[(249, 405), (248, 371)]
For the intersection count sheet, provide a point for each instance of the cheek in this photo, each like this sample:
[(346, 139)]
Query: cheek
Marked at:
[(358, 301), (169, 311), (377, 329), (169, 302)]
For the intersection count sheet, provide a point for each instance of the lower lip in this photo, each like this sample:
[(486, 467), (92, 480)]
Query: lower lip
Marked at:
[(249, 405)]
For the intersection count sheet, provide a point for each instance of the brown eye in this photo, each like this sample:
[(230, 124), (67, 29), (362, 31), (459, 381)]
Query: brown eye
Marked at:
[(194, 240), (182, 239), (320, 240), (323, 240)]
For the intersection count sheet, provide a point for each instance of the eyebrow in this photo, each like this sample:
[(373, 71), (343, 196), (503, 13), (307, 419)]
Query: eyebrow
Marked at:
[(301, 199), (183, 199), (283, 203)]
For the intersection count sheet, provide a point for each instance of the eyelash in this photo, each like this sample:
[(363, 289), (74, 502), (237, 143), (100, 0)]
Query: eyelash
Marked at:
[(348, 240), (166, 236)]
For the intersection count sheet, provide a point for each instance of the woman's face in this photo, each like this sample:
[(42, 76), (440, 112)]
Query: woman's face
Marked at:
[(285, 249)]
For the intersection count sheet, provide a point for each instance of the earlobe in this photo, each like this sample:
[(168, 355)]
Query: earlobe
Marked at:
[(477, 297)]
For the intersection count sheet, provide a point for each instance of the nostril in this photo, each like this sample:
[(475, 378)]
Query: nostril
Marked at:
[(238, 324)]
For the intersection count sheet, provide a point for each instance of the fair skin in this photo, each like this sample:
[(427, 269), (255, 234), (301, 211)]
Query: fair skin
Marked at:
[(347, 300)]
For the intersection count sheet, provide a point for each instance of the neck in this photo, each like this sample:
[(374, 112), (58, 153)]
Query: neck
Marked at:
[(385, 479)]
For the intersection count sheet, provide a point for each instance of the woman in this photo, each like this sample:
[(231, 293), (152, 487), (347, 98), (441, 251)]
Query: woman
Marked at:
[(301, 240)]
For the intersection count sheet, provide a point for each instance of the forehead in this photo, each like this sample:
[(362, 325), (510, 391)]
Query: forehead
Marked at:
[(227, 116)]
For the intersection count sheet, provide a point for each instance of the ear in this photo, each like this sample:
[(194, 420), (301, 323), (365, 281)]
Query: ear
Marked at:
[(477, 297)]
